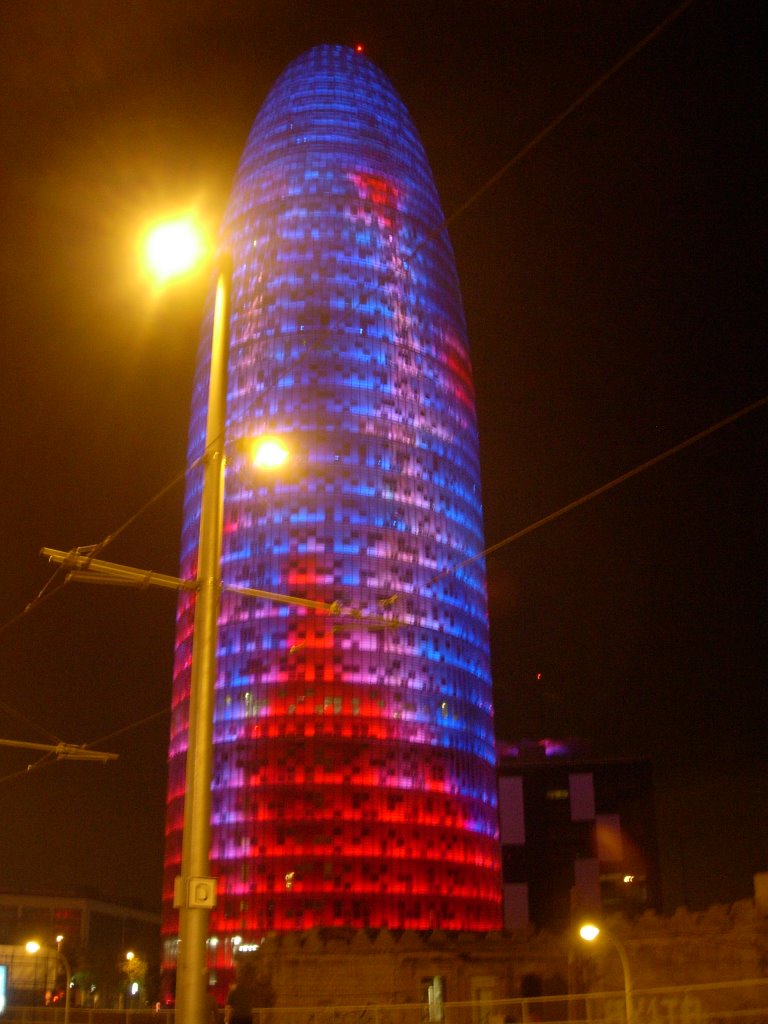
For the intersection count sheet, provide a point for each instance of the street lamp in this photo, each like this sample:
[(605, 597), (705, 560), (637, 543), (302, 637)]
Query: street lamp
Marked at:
[(589, 932), (173, 249), (194, 889), (268, 453), (34, 947), (129, 958)]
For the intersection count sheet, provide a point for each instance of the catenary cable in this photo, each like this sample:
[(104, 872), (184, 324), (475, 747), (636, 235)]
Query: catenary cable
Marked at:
[(388, 602), (49, 590), (458, 212)]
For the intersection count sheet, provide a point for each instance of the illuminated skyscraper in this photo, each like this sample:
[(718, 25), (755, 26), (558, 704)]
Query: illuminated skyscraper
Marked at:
[(354, 776)]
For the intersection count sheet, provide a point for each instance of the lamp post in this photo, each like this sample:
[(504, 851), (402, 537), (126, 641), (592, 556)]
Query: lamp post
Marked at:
[(195, 890), (589, 932), (172, 249), (34, 947), (130, 956)]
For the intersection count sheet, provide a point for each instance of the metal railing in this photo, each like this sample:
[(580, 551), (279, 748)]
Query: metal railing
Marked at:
[(739, 1002)]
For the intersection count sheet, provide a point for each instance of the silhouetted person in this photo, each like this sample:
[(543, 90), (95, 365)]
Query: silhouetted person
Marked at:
[(239, 1002)]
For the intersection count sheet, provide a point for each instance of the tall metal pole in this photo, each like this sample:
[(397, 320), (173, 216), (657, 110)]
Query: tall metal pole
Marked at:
[(68, 982), (589, 932), (621, 950), (195, 890)]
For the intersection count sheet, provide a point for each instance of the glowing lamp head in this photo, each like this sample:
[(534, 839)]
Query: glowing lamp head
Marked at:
[(268, 453), (173, 248), (589, 932), (32, 946)]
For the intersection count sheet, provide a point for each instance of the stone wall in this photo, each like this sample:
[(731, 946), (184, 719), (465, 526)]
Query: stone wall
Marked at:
[(346, 967)]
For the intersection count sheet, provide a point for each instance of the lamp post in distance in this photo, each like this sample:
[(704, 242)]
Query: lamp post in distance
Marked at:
[(589, 932), (33, 947), (132, 987)]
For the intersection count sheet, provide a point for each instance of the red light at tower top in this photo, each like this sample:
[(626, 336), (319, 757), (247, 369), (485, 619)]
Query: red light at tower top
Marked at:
[(359, 48)]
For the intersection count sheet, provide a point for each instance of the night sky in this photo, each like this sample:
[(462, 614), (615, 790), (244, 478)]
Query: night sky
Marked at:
[(612, 283)]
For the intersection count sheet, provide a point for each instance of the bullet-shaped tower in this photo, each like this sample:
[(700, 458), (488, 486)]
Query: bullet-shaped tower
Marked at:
[(354, 766)]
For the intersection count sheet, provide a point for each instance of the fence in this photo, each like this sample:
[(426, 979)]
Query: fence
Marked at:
[(742, 1002)]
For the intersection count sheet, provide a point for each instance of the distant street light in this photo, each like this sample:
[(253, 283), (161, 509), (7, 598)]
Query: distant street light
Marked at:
[(130, 956), (34, 947), (589, 932)]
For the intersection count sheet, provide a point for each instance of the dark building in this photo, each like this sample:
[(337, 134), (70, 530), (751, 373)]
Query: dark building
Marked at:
[(94, 934), (578, 836)]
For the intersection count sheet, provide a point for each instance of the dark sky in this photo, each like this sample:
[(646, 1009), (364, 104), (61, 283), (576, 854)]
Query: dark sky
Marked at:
[(612, 282)]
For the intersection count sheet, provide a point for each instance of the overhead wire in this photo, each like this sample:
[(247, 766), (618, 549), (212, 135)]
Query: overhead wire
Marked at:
[(45, 761), (28, 721), (51, 758), (128, 728), (96, 549), (570, 109), (580, 100), (45, 593), (49, 589), (603, 489), (505, 542)]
